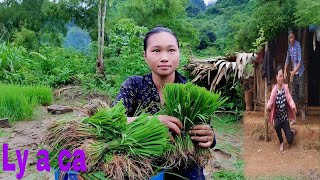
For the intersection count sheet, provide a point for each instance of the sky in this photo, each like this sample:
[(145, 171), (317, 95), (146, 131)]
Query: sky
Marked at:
[(206, 1)]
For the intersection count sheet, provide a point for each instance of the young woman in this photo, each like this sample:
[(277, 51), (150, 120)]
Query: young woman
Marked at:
[(161, 52), (282, 109), (297, 74)]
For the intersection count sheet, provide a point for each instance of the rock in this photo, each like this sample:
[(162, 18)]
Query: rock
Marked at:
[(217, 165), (58, 109), (4, 123), (94, 104)]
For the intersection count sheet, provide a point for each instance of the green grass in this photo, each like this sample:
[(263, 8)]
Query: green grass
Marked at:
[(227, 124), (228, 175), (2, 133), (278, 178), (18, 102)]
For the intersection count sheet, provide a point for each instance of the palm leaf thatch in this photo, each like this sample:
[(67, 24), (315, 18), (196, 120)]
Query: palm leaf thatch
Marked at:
[(223, 66)]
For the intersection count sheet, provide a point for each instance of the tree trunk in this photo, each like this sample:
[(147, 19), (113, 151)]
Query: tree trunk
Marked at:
[(100, 64), (99, 29)]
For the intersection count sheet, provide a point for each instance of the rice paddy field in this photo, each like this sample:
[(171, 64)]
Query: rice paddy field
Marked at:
[(18, 102)]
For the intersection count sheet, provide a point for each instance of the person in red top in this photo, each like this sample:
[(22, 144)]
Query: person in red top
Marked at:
[(282, 109)]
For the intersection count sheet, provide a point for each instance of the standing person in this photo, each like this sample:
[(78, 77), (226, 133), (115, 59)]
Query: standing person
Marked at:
[(297, 74), (161, 52), (282, 109)]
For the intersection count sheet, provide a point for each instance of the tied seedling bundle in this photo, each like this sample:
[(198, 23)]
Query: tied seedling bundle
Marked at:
[(192, 105), (111, 146)]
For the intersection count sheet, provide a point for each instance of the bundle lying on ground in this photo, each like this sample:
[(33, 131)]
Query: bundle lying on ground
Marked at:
[(112, 146), (192, 105)]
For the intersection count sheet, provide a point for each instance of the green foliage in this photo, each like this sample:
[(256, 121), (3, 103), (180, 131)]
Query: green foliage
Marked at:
[(26, 38), (228, 175), (235, 101), (195, 7), (9, 56), (168, 13), (220, 22), (274, 23), (52, 66), (260, 41), (307, 13), (123, 58), (18, 102)]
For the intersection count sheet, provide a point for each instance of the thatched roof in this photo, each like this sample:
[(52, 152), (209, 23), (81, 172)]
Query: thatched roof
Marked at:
[(225, 66)]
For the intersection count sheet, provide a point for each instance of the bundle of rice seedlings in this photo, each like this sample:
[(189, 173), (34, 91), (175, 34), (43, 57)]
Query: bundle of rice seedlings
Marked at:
[(120, 150), (192, 105), (110, 121), (66, 134)]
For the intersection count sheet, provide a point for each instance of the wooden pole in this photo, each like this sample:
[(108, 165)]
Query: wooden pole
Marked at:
[(265, 103)]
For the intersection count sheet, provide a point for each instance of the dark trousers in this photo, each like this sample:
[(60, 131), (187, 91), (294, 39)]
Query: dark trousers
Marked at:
[(191, 173), (298, 89), (286, 128)]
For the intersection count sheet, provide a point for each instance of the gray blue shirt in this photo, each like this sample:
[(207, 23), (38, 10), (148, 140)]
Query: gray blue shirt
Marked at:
[(295, 56)]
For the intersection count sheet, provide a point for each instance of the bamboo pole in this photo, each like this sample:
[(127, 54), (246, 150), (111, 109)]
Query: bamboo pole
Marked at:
[(265, 103)]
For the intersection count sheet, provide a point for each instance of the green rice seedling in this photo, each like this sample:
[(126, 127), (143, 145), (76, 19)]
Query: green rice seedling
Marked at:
[(192, 105), (18, 102), (112, 146), (144, 137), (15, 107), (111, 121)]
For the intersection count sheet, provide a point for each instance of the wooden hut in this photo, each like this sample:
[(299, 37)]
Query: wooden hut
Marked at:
[(310, 47)]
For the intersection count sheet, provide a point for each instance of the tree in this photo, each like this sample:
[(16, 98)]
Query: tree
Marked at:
[(172, 14), (101, 19), (195, 7), (308, 12)]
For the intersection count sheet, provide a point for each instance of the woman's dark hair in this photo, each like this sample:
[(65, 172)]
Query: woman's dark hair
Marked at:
[(278, 69), (292, 32), (155, 30)]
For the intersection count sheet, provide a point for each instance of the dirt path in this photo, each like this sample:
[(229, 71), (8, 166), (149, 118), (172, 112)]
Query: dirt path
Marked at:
[(27, 135), (264, 159)]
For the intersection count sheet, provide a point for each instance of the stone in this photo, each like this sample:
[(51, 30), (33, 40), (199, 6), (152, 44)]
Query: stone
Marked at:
[(58, 109), (4, 123)]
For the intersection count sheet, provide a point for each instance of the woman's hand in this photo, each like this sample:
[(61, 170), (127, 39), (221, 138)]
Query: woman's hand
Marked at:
[(291, 76), (294, 109), (172, 123), (203, 134)]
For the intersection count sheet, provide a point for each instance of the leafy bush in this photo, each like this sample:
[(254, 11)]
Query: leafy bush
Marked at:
[(26, 38), (9, 58), (18, 102), (51, 66)]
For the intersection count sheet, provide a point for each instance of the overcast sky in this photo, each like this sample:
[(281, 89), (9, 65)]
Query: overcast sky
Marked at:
[(206, 1)]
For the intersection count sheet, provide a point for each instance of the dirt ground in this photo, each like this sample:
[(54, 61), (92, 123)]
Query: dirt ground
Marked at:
[(27, 135), (261, 159), (264, 159)]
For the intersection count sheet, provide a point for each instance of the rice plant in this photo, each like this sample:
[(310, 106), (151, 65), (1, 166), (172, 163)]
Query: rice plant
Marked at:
[(18, 102), (192, 105), (112, 146)]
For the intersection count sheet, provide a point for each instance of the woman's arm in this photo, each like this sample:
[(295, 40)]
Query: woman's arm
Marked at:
[(272, 98), (290, 99)]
